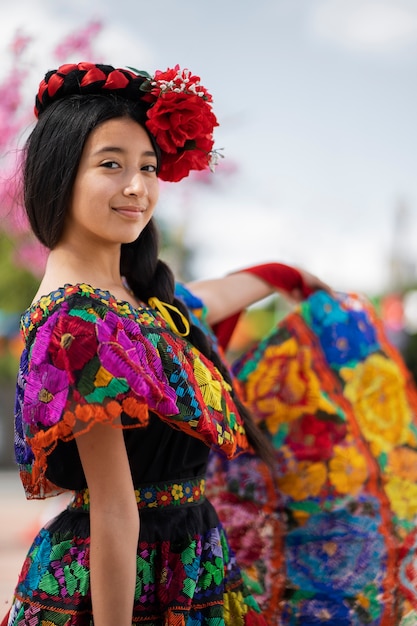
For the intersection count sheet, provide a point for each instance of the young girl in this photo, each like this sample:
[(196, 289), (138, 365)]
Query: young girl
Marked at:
[(120, 397)]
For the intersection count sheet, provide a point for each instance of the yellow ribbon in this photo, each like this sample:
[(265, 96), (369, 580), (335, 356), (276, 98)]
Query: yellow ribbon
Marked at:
[(163, 307)]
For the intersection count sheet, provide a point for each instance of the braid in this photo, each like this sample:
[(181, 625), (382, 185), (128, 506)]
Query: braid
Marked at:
[(149, 276), (146, 274), (86, 79)]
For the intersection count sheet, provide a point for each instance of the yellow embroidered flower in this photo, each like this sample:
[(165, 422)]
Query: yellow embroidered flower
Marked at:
[(306, 481), (124, 309), (402, 495), (146, 318), (347, 469), (44, 302), (375, 389), (234, 608), (86, 288), (284, 386), (210, 388), (402, 462), (177, 492)]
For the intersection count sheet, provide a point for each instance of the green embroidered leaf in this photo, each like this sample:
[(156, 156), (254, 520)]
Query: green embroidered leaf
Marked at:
[(188, 555), (49, 584), (189, 587), (70, 580), (113, 389), (84, 314), (82, 576), (59, 550)]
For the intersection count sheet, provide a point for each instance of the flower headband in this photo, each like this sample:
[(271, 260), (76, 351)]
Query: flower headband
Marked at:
[(179, 111)]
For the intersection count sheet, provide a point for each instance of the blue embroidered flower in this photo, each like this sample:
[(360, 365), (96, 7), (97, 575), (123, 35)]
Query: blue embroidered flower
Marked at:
[(349, 342), (321, 610), (40, 557), (324, 310), (335, 552)]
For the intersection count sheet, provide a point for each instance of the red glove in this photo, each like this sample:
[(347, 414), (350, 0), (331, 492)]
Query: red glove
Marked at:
[(278, 275)]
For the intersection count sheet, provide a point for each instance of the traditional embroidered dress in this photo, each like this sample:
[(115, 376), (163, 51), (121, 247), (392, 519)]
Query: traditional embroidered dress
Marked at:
[(90, 358), (334, 541)]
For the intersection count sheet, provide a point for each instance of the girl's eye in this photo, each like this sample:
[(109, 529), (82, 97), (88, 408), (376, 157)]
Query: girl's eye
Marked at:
[(149, 168), (110, 165)]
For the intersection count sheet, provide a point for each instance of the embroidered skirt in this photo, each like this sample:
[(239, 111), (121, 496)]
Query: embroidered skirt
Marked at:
[(186, 571)]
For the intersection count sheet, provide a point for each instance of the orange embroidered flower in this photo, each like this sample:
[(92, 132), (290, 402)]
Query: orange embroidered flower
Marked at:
[(306, 481), (284, 385), (402, 462)]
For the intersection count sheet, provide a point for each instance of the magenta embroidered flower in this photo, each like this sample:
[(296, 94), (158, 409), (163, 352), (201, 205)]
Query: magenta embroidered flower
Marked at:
[(126, 353), (45, 395)]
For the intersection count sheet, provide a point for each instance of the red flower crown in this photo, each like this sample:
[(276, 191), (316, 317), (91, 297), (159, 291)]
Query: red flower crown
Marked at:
[(179, 109)]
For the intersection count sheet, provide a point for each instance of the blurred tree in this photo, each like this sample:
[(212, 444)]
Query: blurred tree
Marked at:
[(22, 258), (17, 284)]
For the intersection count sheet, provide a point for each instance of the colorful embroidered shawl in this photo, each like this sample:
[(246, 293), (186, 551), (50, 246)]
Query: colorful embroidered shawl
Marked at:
[(334, 541)]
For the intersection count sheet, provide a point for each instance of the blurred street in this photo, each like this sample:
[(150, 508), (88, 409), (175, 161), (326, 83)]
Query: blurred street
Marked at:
[(20, 519)]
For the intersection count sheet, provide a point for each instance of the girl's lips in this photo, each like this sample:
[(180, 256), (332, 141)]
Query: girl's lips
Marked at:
[(129, 211)]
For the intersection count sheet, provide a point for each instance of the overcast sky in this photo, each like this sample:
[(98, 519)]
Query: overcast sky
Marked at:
[(317, 104)]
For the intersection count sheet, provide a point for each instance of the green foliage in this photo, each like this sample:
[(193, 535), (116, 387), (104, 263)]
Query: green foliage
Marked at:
[(17, 284), (9, 363)]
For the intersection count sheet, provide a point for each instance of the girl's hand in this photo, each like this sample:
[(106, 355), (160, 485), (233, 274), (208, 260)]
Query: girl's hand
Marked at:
[(311, 283)]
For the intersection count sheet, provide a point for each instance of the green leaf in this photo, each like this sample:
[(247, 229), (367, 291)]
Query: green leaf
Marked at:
[(141, 73)]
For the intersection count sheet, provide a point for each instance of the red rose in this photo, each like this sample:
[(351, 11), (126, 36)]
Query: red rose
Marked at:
[(175, 167), (176, 118)]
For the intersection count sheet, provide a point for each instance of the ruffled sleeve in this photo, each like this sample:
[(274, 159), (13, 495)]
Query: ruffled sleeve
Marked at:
[(84, 366)]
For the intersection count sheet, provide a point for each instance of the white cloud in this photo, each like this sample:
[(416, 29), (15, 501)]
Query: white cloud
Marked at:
[(366, 25)]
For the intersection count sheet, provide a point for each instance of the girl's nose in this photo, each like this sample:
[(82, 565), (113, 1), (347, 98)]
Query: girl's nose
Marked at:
[(135, 186)]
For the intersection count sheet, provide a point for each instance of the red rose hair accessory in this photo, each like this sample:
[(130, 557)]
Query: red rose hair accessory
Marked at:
[(181, 120), (179, 111)]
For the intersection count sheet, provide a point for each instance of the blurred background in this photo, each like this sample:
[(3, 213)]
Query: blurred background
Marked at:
[(316, 101)]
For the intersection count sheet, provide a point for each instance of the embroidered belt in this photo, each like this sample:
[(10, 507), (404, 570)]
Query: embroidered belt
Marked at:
[(160, 495)]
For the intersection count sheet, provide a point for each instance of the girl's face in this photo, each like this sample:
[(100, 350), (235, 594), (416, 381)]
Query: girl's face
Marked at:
[(116, 187)]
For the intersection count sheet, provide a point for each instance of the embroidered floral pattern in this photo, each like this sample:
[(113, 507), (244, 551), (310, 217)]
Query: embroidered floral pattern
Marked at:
[(95, 358), (341, 411), (159, 495), (197, 584)]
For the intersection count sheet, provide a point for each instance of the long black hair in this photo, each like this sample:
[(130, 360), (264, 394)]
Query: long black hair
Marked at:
[(52, 156)]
